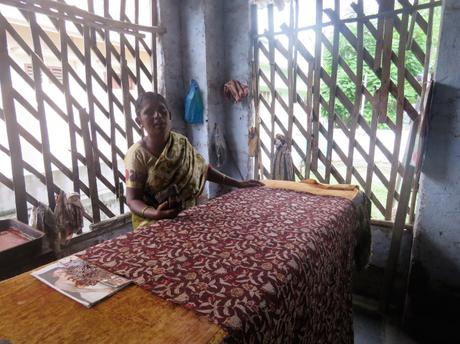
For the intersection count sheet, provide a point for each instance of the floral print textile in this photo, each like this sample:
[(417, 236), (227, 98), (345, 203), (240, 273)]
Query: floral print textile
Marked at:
[(269, 266)]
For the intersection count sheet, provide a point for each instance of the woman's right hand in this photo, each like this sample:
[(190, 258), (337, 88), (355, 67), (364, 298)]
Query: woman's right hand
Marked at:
[(137, 205), (164, 212)]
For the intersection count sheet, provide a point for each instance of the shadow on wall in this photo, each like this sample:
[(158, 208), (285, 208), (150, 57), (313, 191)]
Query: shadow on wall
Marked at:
[(441, 126), (433, 308)]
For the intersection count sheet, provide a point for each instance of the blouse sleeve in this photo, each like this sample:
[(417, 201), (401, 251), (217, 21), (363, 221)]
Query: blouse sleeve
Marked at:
[(135, 169)]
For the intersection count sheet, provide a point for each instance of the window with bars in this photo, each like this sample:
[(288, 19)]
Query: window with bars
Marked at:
[(61, 126), (346, 83)]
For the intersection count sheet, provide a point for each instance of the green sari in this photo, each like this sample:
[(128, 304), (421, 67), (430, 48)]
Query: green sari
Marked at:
[(178, 164)]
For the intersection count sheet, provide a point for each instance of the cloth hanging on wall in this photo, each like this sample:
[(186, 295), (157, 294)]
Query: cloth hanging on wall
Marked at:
[(194, 107), (43, 219), (253, 142), (69, 216), (283, 167), (219, 146), (235, 90)]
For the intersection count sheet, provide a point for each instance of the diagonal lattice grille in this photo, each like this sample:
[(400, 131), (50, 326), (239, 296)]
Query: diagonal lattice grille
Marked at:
[(344, 82), (68, 91)]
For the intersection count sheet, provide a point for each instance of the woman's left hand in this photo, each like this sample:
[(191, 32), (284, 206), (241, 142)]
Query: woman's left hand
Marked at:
[(250, 183)]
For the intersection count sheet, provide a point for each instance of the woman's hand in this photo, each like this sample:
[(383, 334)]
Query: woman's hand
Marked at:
[(162, 212), (220, 178), (250, 183)]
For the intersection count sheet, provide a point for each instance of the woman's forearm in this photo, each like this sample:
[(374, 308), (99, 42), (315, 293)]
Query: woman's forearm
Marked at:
[(218, 177), (139, 207)]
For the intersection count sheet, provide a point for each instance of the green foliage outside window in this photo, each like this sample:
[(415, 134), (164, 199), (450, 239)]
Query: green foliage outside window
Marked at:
[(370, 80)]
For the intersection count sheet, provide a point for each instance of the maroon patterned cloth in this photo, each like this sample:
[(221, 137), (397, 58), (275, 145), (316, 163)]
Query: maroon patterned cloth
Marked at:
[(269, 266)]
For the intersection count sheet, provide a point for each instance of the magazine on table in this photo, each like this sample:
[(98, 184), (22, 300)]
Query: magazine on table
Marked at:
[(81, 281)]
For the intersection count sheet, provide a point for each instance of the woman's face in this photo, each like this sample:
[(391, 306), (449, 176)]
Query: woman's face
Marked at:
[(154, 117)]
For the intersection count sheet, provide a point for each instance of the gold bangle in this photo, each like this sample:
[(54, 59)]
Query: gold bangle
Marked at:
[(143, 210)]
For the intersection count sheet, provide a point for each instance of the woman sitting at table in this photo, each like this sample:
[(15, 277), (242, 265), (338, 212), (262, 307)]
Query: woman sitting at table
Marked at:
[(164, 173)]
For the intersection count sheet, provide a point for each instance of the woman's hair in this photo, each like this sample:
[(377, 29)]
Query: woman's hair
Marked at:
[(152, 96)]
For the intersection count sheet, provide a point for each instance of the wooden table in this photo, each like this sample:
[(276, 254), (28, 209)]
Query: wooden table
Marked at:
[(32, 312)]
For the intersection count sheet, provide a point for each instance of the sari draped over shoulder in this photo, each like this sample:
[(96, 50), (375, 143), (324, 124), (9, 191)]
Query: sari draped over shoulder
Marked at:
[(179, 164)]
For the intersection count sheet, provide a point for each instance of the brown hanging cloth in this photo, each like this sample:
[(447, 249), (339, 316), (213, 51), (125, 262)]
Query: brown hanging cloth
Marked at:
[(283, 167), (235, 90), (69, 216), (43, 219)]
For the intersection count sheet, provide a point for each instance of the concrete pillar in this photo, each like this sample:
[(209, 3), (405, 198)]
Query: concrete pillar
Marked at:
[(215, 48), (194, 66), (436, 254), (238, 117), (171, 83)]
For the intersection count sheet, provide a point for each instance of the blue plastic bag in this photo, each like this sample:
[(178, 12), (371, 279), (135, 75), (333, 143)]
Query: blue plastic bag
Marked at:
[(193, 104)]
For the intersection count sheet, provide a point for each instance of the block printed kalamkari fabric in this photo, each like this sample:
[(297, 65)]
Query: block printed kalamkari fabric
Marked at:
[(269, 266)]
